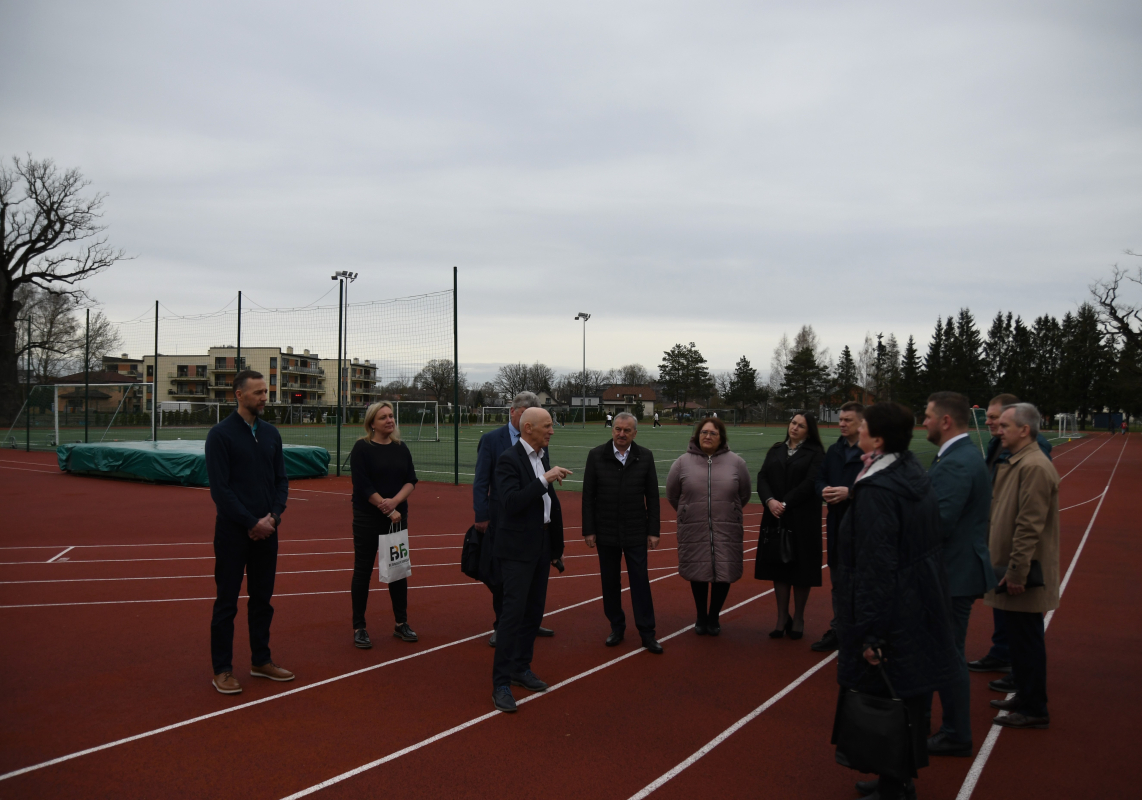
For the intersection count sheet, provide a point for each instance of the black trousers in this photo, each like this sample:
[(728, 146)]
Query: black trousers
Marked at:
[(524, 588), (235, 554), (709, 616), (365, 542), (1028, 660), (497, 591), (611, 571)]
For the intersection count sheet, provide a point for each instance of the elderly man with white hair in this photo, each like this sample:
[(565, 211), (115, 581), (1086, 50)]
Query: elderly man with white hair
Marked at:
[(1024, 546)]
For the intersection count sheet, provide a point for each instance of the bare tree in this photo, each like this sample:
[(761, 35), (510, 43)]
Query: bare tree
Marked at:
[(540, 378), (634, 375), (781, 356), (437, 379), (866, 364), (511, 379), (723, 380), (1117, 316), (61, 335), (43, 213)]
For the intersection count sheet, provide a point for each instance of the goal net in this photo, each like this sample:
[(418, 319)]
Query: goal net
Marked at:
[(418, 420), (60, 413), (726, 415), (1068, 426), (494, 415)]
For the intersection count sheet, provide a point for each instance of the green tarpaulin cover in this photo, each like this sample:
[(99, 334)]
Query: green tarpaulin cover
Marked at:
[(182, 462)]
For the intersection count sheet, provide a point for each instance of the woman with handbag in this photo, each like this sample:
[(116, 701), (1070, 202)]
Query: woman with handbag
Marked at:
[(890, 591), (383, 478), (789, 545), (708, 485)]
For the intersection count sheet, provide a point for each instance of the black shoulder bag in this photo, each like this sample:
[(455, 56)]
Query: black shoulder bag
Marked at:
[(873, 733), (777, 544), (470, 554)]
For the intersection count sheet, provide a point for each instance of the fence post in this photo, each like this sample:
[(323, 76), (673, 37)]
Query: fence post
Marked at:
[(86, 373), (455, 385), (155, 382), (340, 331), (28, 392), (238, 355)]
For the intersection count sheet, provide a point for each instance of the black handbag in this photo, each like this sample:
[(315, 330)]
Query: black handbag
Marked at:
[(874, 734), (1034, 577), (777, 544), (470, 553)]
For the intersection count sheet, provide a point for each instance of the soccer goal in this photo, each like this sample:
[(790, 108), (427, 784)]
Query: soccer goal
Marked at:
[(69, 412), (423, 416), (494, 415), (726, 415), (1068, 426), (977, 428)]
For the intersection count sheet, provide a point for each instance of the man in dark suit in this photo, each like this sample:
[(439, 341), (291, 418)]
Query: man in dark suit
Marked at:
[(485, 498), (529, 539), (963, 488), (621, 518)]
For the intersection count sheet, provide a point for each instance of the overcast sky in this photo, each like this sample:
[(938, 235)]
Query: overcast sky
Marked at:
[(710, 172)]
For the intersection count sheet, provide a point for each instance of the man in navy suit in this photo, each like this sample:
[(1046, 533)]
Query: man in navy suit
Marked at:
[(485, 499), (963, 488), (529, 539)]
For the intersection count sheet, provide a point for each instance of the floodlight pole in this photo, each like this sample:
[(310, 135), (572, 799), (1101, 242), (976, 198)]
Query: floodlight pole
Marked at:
[(28, 391), (86, 369), (455, 385), (583, 382), (155, 382), (340, 341), (238, 353)]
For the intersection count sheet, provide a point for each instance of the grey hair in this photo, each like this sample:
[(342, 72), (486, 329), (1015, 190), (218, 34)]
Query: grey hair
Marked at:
[(627, 415), (525, 400), (1026, 414)]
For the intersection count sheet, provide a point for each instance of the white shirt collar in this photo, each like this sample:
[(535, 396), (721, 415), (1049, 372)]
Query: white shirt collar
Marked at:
[(529, 449), (944, 447), (621, 456)]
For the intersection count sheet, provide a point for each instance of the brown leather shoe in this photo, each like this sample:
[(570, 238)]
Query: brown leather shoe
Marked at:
[(226, 683), (1006, 705), (1017, 720), (272, 671)]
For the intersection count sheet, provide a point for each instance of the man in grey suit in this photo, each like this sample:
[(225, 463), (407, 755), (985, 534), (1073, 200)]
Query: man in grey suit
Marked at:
[(963, 488)]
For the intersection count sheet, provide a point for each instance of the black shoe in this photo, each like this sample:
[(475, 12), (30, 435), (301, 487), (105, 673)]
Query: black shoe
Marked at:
[(989, 664), (792, 634), (614, 638), (941, 745), (871, 790), (403, 631), (652, 645), (545, 632), (528, 681), (713, 630), (492, 639), (1017, 720), (1006, 705), (503, 700), (361, 639), (1002, 685), (700, 628), (827, 643), (867, 787), (786, 628)]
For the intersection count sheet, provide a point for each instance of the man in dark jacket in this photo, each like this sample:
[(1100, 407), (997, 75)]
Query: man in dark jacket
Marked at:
[(529, 539), (621, 519), (834, 483), (960, 480), (249, 487)]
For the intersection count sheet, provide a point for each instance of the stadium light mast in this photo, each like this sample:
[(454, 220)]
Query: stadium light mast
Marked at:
[(583, 315), (343, 278)]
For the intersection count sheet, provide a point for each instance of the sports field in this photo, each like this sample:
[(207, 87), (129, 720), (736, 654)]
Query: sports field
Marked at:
[(105, 596)]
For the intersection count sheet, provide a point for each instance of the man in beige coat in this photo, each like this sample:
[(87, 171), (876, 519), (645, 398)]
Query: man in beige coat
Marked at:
[(1024, 540)]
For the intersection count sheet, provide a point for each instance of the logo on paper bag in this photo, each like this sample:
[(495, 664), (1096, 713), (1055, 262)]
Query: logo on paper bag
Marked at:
[(398, 553)]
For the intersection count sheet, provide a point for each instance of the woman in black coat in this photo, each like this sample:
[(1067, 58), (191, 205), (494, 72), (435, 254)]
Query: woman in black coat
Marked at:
[(787, 487), (890, 590)]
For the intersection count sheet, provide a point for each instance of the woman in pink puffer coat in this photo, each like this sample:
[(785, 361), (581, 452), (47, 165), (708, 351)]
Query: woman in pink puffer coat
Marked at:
[(708, 486)]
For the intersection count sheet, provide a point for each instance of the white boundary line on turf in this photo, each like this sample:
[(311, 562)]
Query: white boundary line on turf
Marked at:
[(57, 555), (980, 761)]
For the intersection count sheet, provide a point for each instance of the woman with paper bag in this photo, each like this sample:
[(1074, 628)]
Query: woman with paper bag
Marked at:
[(383, 478)]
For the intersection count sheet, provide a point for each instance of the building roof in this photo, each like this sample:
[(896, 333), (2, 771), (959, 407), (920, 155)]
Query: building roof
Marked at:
[(77, 394), (102, 376), (619, 393), (690, 406)]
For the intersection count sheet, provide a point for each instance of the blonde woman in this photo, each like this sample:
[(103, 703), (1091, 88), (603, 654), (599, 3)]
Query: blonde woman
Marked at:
[(383, 478)]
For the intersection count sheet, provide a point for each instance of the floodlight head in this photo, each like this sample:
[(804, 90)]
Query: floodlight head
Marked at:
[(583, 315)]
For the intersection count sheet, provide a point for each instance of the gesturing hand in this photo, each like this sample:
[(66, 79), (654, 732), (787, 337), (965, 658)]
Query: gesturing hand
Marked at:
[(556, 475)]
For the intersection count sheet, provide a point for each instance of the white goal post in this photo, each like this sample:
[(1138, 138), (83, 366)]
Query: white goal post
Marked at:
[(494, 414), (1068, 426)]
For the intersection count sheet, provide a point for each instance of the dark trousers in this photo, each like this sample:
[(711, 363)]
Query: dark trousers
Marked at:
[(366, 540), (235, 554), (709, 615), (524, 588), (497, 604), (611, 570), (999, 648), (955, 698), (1028, 661)]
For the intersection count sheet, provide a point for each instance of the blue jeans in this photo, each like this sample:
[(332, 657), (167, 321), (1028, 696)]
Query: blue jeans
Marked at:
[(956, 696)]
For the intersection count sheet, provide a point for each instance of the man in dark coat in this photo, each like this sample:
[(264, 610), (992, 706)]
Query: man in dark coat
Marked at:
[(835, 481), (621, 519), (485, 498), (529, 539), (962, 486)]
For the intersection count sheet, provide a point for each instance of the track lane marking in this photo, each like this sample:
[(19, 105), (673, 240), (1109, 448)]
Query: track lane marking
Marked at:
[(57, 555)]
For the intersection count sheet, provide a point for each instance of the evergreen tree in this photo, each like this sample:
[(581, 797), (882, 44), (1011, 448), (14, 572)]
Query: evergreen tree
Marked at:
[(996, 352), (806, 381), (846, 379), (963, 353), (1087, 364), (742, 393), (1020, 356), (934, 361), (911, 391), (683, 375), (1041, 381)]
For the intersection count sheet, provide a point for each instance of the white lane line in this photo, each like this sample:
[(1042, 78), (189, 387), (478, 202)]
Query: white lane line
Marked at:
[(1084, 502), (298, 690), (57, 555), (41, 471), (477, 720), (1091, 453), (984, 753), (730, 731)]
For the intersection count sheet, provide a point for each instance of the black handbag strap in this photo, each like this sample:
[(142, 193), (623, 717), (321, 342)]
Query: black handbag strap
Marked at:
[(884, 674)]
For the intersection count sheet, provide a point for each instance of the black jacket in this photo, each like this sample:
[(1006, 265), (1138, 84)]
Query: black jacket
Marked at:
[(792, 480), (247, 473), (841, 466), (620, 503), (519, 523), (889, 585)]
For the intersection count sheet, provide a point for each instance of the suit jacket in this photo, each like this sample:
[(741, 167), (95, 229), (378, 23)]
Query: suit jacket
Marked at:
[(620, 503), (963, 488), (484, 495), (519, 520)]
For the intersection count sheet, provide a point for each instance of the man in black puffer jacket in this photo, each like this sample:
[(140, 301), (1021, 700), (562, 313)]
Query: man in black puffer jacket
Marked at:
[(889, 585), (621, 518)]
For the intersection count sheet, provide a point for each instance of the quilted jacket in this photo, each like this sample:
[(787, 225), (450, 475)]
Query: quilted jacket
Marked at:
[(620, 502), (889, 584)]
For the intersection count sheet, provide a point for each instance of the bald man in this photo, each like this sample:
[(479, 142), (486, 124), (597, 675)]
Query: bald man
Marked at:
[(529, 539)]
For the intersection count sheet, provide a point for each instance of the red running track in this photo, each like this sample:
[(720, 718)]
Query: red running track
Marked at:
[(85, 669)]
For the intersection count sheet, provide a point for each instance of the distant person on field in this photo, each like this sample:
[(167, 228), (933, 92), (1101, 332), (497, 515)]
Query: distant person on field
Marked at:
[(383, 479), (963, 489), (890, 587), (834, 487), (787, 486), (609, 420), (621, 519), (657, 424), (249, 488), (998, 659), (1024, 540), (708, 486), (1124, 427), (486, 499)]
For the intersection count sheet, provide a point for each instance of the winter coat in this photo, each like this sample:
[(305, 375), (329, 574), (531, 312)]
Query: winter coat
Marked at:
[(792, 479), (620, 502), (708, 492), (889, 585), (841, 466), (1025, 527)]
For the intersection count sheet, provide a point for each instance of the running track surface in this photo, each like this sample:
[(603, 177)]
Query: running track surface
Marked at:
[(97, 650)]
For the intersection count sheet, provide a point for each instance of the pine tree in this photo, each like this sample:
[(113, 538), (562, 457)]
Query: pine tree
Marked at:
[(743, 392), (1042, 377), (963, 353), (805, 382), (934, 361), (1020, 356), (846, 379), (1087, 363), (683, 375), (912, 390), (997, 353)]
